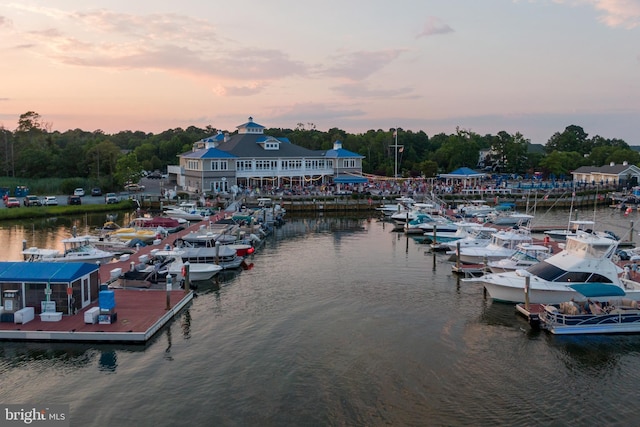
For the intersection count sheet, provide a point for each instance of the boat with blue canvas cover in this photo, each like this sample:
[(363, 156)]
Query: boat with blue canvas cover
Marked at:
[(611, 313), (586, 259)]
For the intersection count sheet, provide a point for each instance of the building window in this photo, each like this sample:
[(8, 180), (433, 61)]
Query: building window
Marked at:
[(219, 165), (193, 165), (243, 165), (348, 163)]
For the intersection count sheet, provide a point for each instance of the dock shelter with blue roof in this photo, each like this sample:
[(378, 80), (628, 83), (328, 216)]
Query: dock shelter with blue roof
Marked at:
[(71, 285)]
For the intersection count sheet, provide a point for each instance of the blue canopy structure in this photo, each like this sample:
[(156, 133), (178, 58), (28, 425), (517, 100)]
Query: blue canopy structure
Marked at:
[(53, 272), (350, 179), (593, 290), (463, 173)]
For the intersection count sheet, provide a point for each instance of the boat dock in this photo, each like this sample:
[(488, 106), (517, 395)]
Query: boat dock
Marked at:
[(531, 312), (139, 313)]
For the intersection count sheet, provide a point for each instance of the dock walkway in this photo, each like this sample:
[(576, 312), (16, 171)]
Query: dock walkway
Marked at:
[(140, 313)]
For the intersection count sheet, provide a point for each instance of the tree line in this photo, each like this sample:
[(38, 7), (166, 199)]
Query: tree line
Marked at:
[(34, 151)]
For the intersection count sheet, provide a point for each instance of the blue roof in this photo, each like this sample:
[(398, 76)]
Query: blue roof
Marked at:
[(215, 138), (465, 171), (55, 272), (208, 153)]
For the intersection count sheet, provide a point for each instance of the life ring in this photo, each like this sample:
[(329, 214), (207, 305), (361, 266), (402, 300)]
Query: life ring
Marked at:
[(547, 240)]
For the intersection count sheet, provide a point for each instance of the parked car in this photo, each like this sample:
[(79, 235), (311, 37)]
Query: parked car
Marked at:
[(78, 192), (12, 202), (155, 175), (50, 201), (74, 200), (32, 201), (111, 198), (96, 191), (134, 187)]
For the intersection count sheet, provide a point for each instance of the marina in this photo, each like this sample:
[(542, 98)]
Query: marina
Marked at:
[(140, 313), (341, 319)]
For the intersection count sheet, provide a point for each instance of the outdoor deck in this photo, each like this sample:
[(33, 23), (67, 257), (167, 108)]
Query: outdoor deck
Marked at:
[(140, 312)]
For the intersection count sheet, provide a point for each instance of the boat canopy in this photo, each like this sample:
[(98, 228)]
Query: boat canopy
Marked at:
[(592, 290)]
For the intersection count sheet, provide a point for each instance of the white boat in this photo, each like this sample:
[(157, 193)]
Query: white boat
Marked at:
[(197, 271), (561, 234), (480, 237), (76, 249), (613, 316), (526, 255), (474, 208), (187, 210), (511, 219), (503, 244), (424, 223), (585, 259), (463, 229)]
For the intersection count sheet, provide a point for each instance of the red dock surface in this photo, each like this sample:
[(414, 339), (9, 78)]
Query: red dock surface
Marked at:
[(140, 312)]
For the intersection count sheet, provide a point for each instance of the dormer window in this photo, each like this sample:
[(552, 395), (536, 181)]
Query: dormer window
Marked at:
[(271, 146)]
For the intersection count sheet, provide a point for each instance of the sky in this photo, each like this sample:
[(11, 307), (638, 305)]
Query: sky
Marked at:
[(528, 66)]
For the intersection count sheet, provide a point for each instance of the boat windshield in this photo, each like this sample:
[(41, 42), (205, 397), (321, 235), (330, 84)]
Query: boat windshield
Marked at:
[(523, 256), (587, 249), (551, 273)]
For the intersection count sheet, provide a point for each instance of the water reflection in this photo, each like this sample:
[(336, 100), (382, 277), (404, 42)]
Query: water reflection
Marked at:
[(595, 352), (108, 361)]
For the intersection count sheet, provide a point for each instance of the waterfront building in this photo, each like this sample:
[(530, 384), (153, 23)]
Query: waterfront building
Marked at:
[(623, 174), (226, 163)]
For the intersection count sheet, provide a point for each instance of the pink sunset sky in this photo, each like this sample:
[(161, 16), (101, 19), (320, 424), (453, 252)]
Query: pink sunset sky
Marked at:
[(529, 66)]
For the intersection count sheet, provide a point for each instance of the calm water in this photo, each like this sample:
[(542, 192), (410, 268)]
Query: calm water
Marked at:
[(339, 322)]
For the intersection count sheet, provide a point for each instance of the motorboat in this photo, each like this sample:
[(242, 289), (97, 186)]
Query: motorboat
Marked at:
[(560, 235), (177, 267), (130, 233), (463, 229), (144, 274), (479, 237), (188, 211), (474, 208), (425, 223), (225, 256), (503, 244), (585, 259), (526, 255), (511, 219), (613, 316), (76, 249), (163, 223)]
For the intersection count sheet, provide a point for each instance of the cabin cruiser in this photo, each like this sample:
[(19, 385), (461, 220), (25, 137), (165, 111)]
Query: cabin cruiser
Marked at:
[(503, 244), (76, 249), (585, 260), (526, 255)]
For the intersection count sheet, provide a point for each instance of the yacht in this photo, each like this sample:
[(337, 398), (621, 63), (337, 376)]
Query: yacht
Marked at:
[(585, 263), (503, 244)]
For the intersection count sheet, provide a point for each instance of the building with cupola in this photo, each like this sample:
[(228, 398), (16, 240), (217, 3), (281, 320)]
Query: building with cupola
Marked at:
[(251, 159)]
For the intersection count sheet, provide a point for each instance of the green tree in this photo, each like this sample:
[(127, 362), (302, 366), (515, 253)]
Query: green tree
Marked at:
[(562, 162), (574, 138), (128, 169)]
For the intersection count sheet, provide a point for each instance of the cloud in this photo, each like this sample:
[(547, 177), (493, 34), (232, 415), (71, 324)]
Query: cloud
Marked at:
[(434, 26), (171, 43), (614, 13), (5, 22), (247, 90), (314, 113), (361, 90), (360, 65)]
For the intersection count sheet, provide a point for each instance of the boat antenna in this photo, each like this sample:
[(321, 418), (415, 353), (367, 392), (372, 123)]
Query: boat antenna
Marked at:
[(573, 195)]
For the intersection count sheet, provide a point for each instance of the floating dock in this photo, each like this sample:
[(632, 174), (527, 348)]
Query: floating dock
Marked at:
[(138, 314)]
